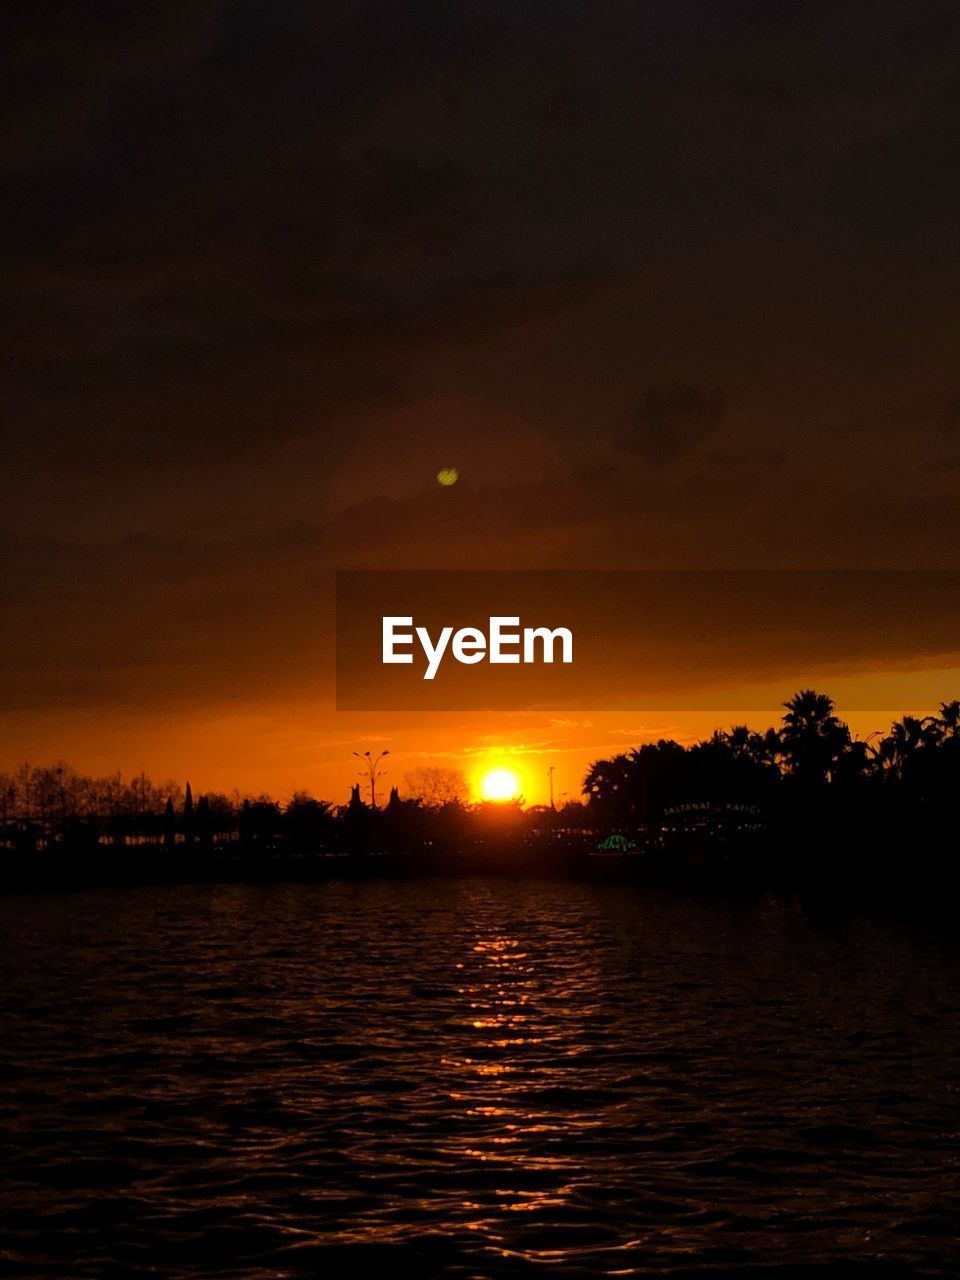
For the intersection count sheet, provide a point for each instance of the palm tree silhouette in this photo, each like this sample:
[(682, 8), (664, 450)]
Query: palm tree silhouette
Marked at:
[(813, 737), (950, 718)]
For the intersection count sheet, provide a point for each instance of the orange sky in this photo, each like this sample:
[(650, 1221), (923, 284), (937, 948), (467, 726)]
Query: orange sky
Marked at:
[(211, 659), (672, 289), (285, 747)]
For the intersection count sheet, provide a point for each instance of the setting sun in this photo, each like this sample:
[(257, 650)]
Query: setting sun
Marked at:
[(500, 784)]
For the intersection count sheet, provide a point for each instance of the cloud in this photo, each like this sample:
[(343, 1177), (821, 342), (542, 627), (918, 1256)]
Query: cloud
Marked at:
[(200, 621), (672, 419), (245, 238), (231, 224), (950, 415)]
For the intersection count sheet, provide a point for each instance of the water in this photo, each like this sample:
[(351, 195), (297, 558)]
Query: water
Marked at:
[(470, 1078)]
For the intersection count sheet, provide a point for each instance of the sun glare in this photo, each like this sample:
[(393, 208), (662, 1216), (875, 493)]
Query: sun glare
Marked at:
[(500, 784)]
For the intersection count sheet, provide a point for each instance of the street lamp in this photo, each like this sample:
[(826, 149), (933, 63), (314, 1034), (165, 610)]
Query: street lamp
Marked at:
[(370, 767)]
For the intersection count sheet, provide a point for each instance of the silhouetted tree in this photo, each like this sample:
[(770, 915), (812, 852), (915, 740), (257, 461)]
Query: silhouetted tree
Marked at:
[(203, 825), (811, 777), (169, 824), (188, 815), (950, 720), (436, 786), (308, 823), (812, 737)]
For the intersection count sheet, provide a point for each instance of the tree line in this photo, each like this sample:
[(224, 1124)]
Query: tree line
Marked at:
[(56, 806), (916, 765), (809, 764)]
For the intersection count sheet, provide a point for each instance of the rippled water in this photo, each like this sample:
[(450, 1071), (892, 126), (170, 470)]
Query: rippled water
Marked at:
[(470, 1078)]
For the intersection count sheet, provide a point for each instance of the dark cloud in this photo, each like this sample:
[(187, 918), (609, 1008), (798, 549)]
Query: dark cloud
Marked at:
[(198, 621), (148, 626), (950, 417), (672, 419), (238, 231)]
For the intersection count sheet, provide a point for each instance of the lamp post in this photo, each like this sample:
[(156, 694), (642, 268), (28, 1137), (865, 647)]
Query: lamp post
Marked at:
[(550, 776), (370, 767)]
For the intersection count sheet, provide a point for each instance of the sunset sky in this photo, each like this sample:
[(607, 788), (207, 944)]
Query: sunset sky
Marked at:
[(672, 285)]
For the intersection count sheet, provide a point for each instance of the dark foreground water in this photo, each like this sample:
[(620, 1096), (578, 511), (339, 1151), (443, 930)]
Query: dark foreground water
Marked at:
[(473, 1078)]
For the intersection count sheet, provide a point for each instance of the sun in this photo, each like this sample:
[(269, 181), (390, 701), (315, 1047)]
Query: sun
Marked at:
[(500, 784)]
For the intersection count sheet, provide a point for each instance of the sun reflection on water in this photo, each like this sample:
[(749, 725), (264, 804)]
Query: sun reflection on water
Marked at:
[(513, 1039), (495, 1077)]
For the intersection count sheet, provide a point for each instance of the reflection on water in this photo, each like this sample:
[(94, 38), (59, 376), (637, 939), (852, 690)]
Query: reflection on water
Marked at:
[(501, 1078)]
